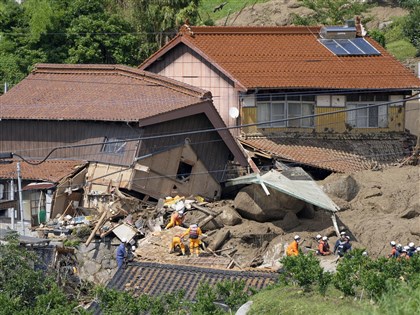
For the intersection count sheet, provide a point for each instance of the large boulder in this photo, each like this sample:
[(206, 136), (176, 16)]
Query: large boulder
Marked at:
[(252, 203), (229, 216), (343, 186)]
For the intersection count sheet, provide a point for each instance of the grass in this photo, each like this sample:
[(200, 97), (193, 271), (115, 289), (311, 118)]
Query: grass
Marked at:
[(401, 49), (293, 301), (232, 6)]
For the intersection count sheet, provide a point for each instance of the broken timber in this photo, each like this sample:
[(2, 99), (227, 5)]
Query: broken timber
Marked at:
[(98, 225)]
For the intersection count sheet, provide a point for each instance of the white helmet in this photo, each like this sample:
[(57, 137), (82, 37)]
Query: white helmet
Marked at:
[(406, 248), (343, 233), (393, 243), (411, 245), (325, 238), (181, 212), (297, 237), (133, 248), (399, 246), (318, 237), (418, 249)]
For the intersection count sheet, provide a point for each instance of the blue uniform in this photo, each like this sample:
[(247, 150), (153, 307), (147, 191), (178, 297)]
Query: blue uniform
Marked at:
[(121, 252)]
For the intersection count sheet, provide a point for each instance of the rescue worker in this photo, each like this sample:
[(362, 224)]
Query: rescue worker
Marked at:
[(341, 240), (394, 252), (399, 249), (344, 246), (418, 250), (324, 247), (293, 248), (193, 232), (411, 249), (177, 244), (177, 218), (318, 240), (121, 253), (404, 254)]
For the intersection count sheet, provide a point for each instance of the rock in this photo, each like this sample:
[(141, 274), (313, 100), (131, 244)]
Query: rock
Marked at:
[(252, 203), (412, 213), (244, 309), (344, 187), (229, 216), (289, 221), (91, 267), (218, 240), (308, 212), (213, 224)]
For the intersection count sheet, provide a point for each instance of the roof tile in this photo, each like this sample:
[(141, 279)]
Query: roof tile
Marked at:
[(50, 170), (291, 57), (95, 92)]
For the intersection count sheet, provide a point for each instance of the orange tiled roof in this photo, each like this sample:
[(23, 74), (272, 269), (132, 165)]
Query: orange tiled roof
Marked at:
[(289, 57), (51, 170), (95, 92), (337, 155)]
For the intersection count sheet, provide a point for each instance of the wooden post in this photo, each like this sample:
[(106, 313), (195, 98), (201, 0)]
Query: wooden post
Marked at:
[(98, 225)]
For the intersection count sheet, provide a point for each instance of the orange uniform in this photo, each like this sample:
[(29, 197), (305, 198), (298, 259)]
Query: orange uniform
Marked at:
[(293, 249), (176, 219), (177, 242), (194, 232), (324, 248)]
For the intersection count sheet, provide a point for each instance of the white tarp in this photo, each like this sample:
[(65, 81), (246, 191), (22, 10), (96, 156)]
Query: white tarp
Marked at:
[(294, 182)]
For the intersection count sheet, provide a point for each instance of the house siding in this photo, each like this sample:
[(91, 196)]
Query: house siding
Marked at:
[(335, 122), (35, 139), (184, 65), (209, 147)]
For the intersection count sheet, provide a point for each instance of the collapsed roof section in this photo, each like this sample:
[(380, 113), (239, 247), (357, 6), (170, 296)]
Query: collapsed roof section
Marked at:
[(294, 182)]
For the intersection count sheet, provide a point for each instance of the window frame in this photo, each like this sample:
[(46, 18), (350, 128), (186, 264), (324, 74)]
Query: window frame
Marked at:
[(275, 102), (364, 117), (113, 148)]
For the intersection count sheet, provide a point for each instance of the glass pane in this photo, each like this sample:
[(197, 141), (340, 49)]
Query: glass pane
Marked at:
[(308, 98), (383, 116), (381, 97), (352, 98), (294, 110), (373, 116), (293, 98), (278, 113), (263, 114), (307, 110), (278, 97), (362, 117), (367, 97), (263, 97), (351, 115)]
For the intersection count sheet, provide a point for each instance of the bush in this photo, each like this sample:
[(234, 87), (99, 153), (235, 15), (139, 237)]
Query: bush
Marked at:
[(303, 270), (233, 293)]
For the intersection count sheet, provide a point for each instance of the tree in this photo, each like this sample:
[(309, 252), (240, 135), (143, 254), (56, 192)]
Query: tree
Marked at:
[(412, 28), (23, 288)]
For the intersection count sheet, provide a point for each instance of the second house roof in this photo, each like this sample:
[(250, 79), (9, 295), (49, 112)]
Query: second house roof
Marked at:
[(288, 57)]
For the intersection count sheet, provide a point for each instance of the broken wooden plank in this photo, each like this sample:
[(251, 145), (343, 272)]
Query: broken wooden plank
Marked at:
[(236, 263), (203, 209), (98, 225)]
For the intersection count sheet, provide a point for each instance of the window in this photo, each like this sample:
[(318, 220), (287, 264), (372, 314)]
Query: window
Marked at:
[(365, 112), (184, 171), (284, 111), (113, 146)]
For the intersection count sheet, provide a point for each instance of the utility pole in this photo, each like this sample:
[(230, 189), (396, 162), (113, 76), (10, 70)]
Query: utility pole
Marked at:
[(12, 197), (20, 197)]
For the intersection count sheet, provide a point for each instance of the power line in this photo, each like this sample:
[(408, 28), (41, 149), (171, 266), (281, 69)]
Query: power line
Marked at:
[(415, 96)]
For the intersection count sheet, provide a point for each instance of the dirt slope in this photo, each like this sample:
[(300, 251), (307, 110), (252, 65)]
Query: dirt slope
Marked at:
[(278, 12)]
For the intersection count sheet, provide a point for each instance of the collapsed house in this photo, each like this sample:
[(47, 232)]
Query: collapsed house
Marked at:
[(140, 132)]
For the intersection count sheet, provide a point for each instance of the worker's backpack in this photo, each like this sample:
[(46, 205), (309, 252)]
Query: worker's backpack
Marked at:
[(340, 249), (194, 232)]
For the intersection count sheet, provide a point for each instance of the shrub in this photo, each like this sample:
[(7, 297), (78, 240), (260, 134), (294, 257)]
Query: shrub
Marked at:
[(233, 293), (303, 270)]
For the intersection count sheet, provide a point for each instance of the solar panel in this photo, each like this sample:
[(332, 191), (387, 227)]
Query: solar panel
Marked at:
[(349, 47)]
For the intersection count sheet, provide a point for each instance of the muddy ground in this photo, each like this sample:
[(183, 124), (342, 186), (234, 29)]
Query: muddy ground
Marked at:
[(376, 208)]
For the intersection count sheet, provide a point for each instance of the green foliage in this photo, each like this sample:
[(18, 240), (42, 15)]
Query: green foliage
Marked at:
[(303, 270), (378, 35), (233, 293), (330, 12), (401, 49), (24, 290), (409, 4), (205, 297), (412, 28)]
